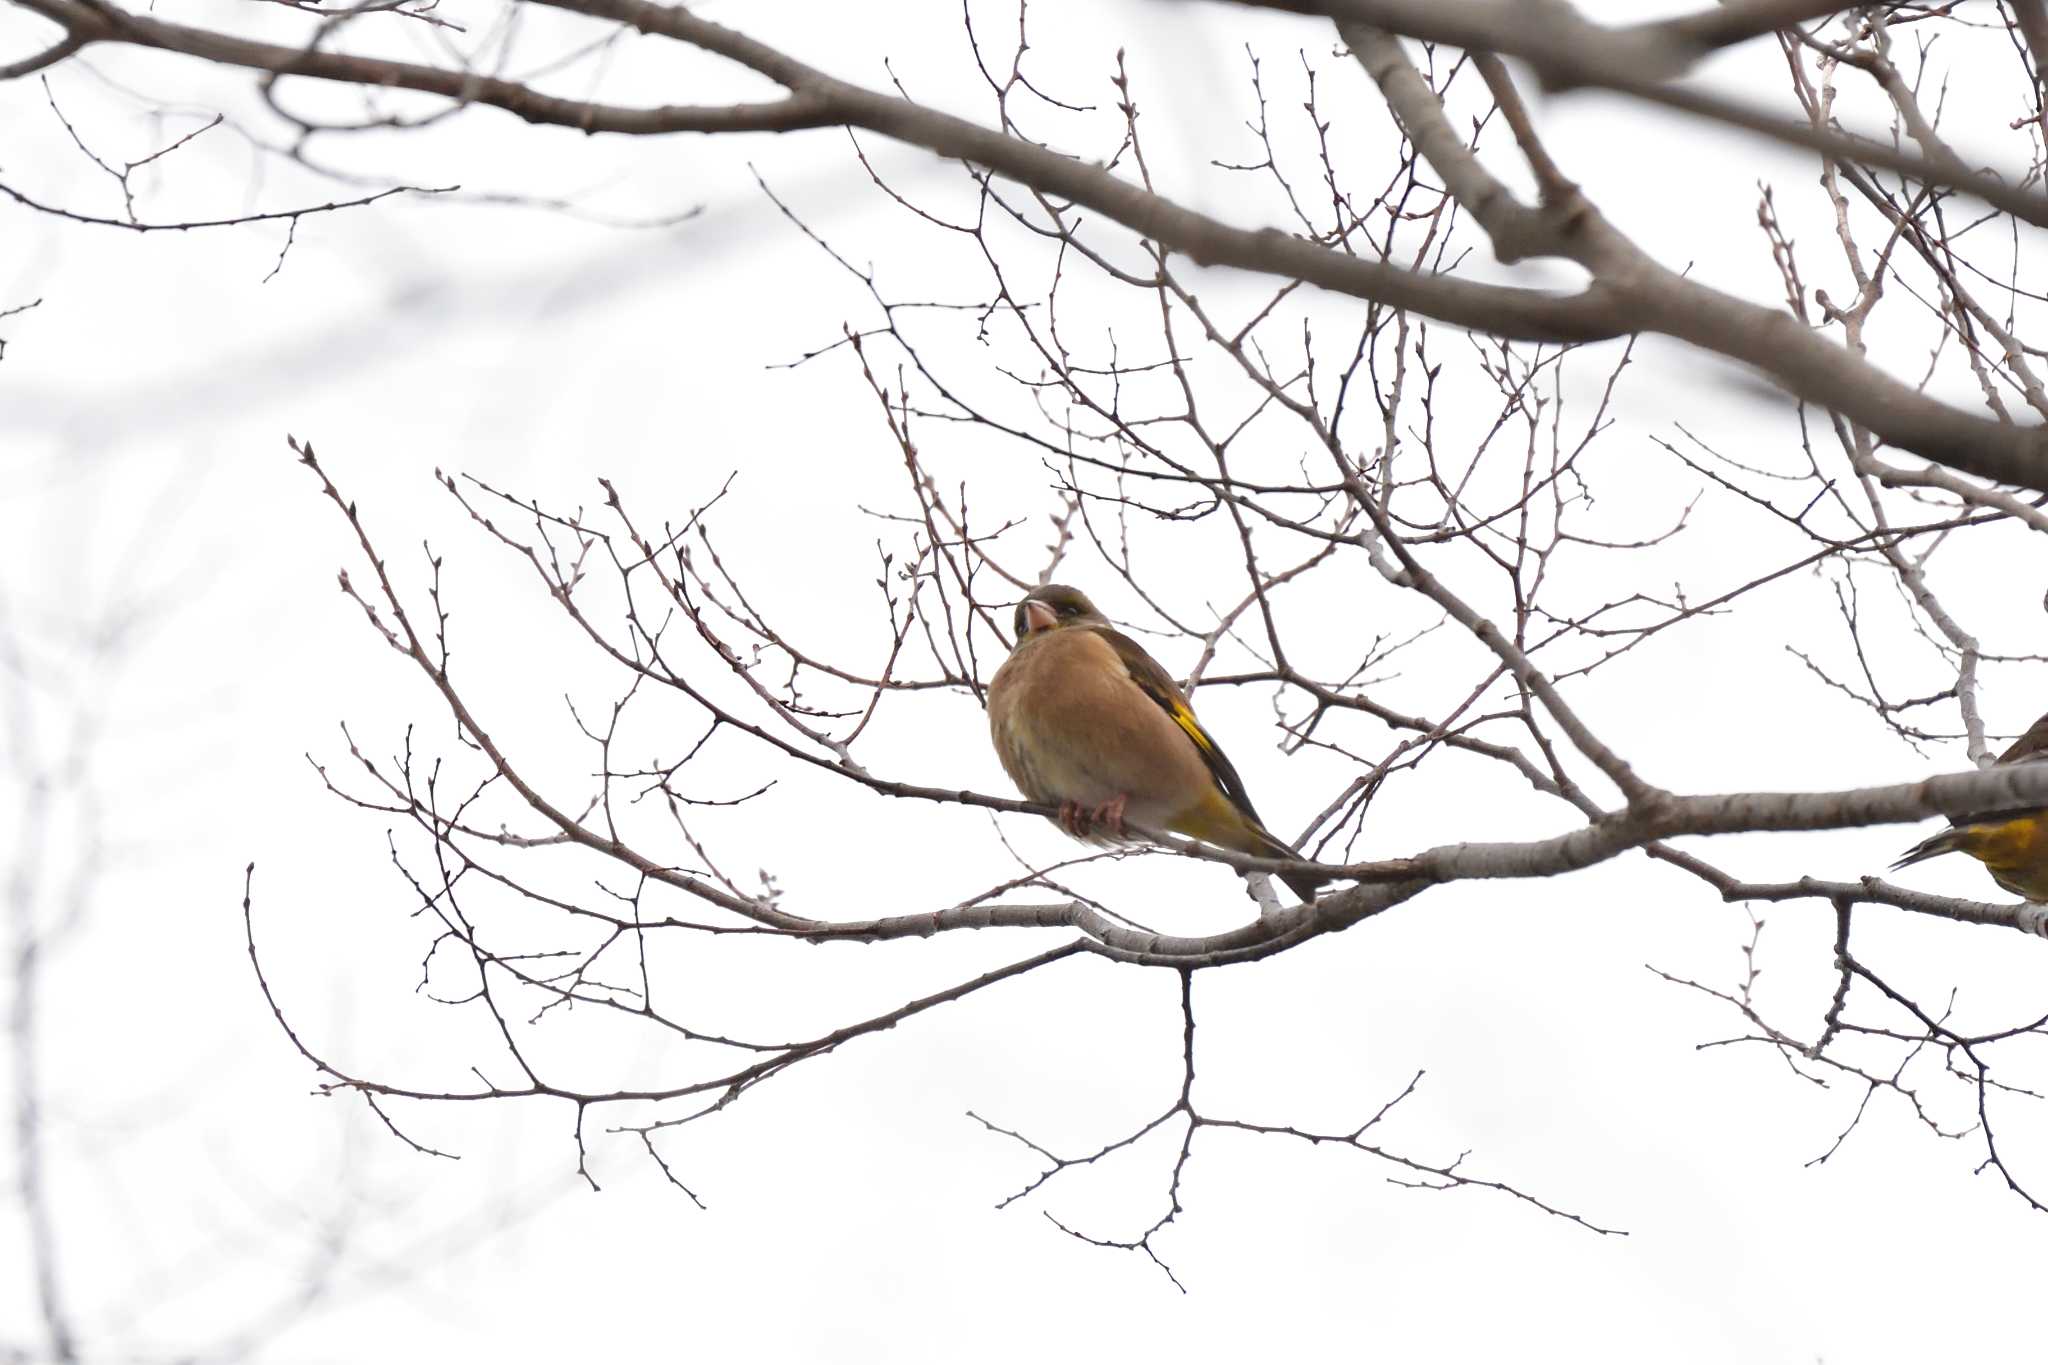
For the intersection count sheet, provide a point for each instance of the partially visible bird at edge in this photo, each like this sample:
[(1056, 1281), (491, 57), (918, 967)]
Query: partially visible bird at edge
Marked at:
[(2012, 844), (1084, 719)]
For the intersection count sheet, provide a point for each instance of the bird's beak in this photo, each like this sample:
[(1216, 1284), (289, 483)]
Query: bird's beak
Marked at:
[(1038, 616)]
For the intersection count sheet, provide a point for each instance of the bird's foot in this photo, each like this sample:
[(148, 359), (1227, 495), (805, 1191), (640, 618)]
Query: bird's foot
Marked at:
[(1087, 822), (1110, 815)]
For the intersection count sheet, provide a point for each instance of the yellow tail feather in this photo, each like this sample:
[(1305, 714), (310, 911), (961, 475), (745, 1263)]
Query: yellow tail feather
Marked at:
[(1214, 820)]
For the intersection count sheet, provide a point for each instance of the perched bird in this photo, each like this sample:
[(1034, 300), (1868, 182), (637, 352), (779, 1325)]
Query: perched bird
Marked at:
[(1083, 718), (2012, 844)]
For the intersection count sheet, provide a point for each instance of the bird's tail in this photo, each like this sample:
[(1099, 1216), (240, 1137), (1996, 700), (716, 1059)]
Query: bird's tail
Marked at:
[(1948, 841), (1302, 884), (1221, 821)]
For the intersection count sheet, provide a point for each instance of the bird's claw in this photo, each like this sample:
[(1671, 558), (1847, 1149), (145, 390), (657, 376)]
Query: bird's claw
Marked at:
[(1083, 822), (1072, 819), (1110, 815)]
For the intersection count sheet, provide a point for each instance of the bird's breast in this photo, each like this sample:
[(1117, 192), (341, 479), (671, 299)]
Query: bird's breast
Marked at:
[(1069, 724)]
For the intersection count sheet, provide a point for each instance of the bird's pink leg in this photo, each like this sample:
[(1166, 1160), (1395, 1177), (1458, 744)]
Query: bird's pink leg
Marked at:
[(1073, 819), (1111, 814)]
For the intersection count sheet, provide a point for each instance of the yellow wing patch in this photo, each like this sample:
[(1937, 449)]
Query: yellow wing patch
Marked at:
[(1185, 719), (1155, 683)]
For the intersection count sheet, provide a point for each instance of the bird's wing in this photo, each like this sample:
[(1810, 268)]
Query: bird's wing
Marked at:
[(1993, 817), (2029, 747), (1157, 684)]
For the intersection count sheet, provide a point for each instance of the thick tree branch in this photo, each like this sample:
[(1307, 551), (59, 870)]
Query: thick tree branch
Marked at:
[(1565, 48), (1630, 293), (87, 22), (1806, 363)]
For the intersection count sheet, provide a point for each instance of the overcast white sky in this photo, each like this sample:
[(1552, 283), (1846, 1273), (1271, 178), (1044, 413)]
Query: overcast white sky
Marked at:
[(168, 571)]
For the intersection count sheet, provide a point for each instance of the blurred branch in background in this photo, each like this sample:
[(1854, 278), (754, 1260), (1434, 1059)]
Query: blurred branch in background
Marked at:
[(116, 1258), (45, 788)]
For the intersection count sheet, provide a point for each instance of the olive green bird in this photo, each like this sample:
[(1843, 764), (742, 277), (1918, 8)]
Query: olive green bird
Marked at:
[(2012, 844), (1084, 719)]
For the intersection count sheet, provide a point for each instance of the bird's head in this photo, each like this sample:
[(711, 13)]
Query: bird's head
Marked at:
[(1051, 607)]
